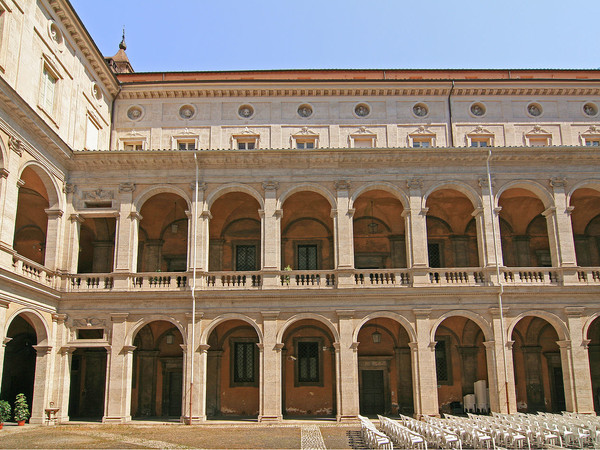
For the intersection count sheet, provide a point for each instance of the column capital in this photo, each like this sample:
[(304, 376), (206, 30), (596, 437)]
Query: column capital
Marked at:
[(336, 346), (564, 344), (127, 187), (550, 211), (4, 303), (6, 340), (351, 212), (345, 313), (354, 346), (477, 212), (206, 214), (333, 214), (495, 312), (261, 347), (76, 218), (270, 315), (127, 349), (119, 317), (16, 145), (53, 213), (489, 344), (68, 188), (199, 316), (59, 318), (483, 182), (201, 186), (278, 347), (341, 185), (585, 343), (203, 348), (270, 185), (4, 173), (509, 345), (414, 183), (424, 211), (20, 183), (422, 313), (134, 215), (42, 350), (66, 349), (558, 182), (574, 311)]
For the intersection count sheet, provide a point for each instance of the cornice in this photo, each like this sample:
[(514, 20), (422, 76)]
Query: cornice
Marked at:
[(338, 157), (85, 43), (341, 88)]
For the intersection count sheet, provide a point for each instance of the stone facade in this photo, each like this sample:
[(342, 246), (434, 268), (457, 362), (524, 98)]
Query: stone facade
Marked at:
[(292, 243)]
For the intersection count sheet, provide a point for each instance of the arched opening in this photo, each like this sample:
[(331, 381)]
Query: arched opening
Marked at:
[(537, 366), (88, 384), (523, 230), (157, 379), (97, 245), (461, 367), (235, 230), (585, 219), (19, 361), (307, 232), (233, 373), (379, 236), (384, 368), (32, 220), (451, 230), (163, 234), (594, 354), (308, 370)]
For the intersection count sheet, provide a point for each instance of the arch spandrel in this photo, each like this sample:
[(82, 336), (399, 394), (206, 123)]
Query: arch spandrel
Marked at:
[(557, 323), (308, 316), (214, 323), (403, 321), (137, 326), (395, 191), (481, 322)]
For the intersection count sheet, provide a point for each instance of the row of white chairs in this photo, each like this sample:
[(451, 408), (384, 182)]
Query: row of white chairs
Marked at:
[(372, 437), (576, 429), (538, 432), (470, 434), (436, 436), (401, 435)]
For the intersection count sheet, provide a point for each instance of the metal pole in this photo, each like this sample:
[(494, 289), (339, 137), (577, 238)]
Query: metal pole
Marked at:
[(501, 286)]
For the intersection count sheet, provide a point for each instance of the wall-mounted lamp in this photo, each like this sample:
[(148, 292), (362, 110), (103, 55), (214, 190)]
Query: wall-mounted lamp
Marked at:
[(376, 336), (373, 226), (170, 338)]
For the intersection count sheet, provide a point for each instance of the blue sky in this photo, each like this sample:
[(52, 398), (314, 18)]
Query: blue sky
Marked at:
[(191, 35)]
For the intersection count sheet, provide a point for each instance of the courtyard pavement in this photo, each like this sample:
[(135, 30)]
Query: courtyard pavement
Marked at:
[(235, 435)]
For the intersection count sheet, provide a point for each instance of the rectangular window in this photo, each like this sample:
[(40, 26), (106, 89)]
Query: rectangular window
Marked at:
[(186, 145), (442, 367), (47, 90), (243, 362), (308, 362), (592, 142), (91, 135), (133, 145), (435, 255), (538, 142), (421, 142), (363, 143), (245, 258), (305, 144), (480, 142), (307, 257), (246, 144)]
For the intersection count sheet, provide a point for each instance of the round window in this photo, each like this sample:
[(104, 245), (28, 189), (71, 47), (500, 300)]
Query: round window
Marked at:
[(478, 109), (362, 110), (246, 111), (186, 112), (135, 113), (305, 110), (420, 110), (534, 109)]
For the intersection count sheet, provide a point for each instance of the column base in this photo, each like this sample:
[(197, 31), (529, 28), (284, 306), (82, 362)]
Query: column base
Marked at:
[(347, 418), (266, 418), (37, 420), (196, 420), (116, 419)]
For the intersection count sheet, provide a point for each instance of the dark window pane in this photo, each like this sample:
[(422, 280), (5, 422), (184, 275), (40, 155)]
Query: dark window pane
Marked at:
[(307, 257), (435, 258), (441, 361), (243, 362), (245, 257), (308, 362)]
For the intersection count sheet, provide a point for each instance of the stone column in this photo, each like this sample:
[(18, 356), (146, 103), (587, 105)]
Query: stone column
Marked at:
[(41, 383), (53, 239), (199, 219), (64, 380), (416, 234), (424, 370), (10, 197), (126, 239), (343, 242), (72, 247), (270, 370), (3, 340), (118, 395), (347, 375), (200, 403), (488, 224), (576, 364), (190, 382), (270, 235), (501, 379), (560, 232)]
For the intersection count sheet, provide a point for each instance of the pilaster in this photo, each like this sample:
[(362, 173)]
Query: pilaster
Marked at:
[(118, 396), (415, 217), (270, 378), (347, 370), (127, 229), (270, 234), (424, 370), (41, 383), (501, 379)]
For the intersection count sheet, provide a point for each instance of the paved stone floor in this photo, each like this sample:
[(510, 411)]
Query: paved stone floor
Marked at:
[(292, 435)]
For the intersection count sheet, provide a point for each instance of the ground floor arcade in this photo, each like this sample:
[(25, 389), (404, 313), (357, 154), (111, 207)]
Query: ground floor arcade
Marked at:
[(274, 364)]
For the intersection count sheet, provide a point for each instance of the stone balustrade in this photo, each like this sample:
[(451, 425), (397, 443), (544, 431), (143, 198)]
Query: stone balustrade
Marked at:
[(299, 279)]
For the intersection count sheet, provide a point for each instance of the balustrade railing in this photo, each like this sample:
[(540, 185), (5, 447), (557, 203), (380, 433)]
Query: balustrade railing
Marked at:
[(33, 271), (382, 277), (307, 279), (300, 279), (233, 280)]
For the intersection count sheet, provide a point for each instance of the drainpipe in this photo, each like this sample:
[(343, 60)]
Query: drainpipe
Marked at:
[(500, 285), (194, 253), (450, 132)]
